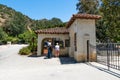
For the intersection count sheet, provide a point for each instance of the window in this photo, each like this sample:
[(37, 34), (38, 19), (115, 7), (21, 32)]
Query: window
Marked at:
[(59, 41), (67, 43)]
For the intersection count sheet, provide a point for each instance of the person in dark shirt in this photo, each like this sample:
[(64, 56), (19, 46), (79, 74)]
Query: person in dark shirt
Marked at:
[(49, 50)]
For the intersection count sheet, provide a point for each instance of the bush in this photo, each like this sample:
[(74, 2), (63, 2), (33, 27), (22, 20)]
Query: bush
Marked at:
[(14, 40), (24, 51)]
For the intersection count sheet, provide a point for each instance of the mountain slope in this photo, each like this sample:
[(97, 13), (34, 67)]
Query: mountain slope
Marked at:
[(13, 22)]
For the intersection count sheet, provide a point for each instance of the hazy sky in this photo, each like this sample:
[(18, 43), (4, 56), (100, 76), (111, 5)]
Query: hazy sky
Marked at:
[(39, 9)]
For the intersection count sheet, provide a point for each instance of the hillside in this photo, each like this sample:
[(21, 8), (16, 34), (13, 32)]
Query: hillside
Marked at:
[(13, 24)]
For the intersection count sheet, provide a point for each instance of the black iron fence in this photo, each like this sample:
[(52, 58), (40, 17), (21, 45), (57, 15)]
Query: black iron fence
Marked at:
[(109, 54)]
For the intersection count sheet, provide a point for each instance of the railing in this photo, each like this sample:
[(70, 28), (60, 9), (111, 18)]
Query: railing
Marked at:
[(109, 54)]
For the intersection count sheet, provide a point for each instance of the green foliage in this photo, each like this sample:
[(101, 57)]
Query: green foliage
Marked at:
[(3, 35), (110, 11), (87, 6), (18, 27), (109, 25), (15, 22), (13, 40), (24, 51), (27, 37), (44, 23), (100, 31)]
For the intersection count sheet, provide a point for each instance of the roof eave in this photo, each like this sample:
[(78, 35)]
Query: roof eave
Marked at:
[(74, 17)]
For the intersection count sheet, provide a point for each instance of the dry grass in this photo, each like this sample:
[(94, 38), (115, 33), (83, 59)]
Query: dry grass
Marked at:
[(2, 21)]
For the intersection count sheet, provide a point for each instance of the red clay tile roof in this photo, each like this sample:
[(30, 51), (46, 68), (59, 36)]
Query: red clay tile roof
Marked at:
[(57, 30), (82, 16)]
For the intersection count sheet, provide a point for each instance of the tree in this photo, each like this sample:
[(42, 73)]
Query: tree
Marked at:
[(110, 11), (56, 22), (87, 6), (3, 35), (45, 23), (101, 31), (27, 36), (15, 22)]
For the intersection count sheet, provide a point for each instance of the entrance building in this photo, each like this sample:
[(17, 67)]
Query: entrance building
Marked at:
[(74, 38)]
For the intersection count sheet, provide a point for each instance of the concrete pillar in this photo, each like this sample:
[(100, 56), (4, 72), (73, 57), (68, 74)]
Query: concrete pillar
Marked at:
[(39, 46)]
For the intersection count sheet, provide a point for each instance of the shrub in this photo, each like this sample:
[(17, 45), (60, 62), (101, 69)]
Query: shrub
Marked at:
[(24, 51), (13, 40)]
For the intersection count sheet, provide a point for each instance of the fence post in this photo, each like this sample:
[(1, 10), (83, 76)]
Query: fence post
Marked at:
[(108, 56), (118, 58)]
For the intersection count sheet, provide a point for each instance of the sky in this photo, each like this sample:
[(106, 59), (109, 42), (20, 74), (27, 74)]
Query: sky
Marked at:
[(40, 9)]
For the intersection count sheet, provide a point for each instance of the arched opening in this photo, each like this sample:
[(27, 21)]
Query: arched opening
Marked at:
[(53, 41), (44, 45)]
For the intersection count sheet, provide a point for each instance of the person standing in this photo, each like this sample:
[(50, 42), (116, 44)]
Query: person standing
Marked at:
[(57, 50), (49, 50)]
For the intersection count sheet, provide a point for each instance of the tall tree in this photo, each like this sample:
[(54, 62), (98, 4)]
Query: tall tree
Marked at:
[(87, 6), (110, 11), (3, 35), (56, 22)]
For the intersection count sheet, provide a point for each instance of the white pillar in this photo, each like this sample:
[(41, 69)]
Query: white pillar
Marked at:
[(39, 45)]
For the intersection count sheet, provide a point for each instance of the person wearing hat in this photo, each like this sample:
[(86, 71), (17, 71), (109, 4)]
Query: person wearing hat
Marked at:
[(57, 50)]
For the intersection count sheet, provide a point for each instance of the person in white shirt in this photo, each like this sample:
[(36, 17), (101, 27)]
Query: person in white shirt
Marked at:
[(57, 50)]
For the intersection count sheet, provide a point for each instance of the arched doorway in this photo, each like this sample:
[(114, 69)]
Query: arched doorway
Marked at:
[(44, 45), (53, 41)]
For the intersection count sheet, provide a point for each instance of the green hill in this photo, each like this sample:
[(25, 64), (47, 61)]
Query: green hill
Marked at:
[(14, 24)]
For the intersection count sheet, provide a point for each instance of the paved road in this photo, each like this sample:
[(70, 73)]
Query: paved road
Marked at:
[(16, 67), (7, 50)]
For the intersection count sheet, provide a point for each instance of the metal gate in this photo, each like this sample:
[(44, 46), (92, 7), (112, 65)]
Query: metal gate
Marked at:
[(109, 54)]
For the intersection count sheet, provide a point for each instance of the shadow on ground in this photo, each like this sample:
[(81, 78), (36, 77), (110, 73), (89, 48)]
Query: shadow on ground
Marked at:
[(63, 60), (67, 60), (33, 55), (105, 70)]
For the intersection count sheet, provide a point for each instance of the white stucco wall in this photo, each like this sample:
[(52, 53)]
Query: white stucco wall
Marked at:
[(72, 30), (82, 27), (85, 30), (61, 36)]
